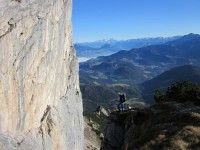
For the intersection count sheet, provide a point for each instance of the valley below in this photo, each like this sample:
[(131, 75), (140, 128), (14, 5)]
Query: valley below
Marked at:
[(139, 73)]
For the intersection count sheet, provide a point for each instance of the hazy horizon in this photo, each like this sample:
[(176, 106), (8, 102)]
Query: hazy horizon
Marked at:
[(132, 38)]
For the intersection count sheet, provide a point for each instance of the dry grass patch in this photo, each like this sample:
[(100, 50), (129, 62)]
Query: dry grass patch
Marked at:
[(194, 130), (180, 144), (187, 138), (195, 115)]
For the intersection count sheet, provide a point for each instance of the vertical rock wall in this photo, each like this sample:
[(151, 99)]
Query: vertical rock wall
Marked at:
[(40, 99)]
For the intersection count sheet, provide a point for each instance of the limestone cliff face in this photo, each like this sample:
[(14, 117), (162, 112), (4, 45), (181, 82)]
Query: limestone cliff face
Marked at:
[(40, 100)]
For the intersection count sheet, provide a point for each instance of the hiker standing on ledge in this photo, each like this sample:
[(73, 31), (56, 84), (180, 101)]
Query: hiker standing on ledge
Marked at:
[(122, 100)]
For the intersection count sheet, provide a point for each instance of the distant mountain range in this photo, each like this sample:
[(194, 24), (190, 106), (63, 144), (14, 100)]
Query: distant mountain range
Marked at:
[(136, 67), (141, 64), (108, 47)]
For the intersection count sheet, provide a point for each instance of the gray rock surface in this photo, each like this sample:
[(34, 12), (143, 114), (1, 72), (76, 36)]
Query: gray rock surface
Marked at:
[(91, 139), (114, 133), (40, 99), (102, 111)]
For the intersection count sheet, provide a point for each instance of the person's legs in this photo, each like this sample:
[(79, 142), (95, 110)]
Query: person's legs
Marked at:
[(122, 105), (119, 105)]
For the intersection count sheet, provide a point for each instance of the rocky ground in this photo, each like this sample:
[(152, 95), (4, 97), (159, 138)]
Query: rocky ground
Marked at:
[(94, 125), (92, 140), (168, 125)]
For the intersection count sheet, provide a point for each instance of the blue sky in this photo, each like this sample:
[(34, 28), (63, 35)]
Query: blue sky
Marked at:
[(129, 19)]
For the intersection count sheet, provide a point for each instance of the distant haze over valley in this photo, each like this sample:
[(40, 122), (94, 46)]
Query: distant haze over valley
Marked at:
[(147, 61), (88, 50)]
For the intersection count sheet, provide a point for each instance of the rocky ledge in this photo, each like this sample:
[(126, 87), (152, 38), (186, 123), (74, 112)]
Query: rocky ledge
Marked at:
[(169, 125)]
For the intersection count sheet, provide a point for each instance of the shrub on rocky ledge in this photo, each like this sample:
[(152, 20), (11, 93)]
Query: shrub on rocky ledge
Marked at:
[(179, 92)]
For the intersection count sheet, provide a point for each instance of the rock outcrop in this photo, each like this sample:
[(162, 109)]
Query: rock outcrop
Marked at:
[(122, 128), (163, 126), (40, 99), (92, 140)]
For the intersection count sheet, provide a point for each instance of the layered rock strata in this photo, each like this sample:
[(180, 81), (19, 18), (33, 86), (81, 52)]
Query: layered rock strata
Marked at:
[(40, 99)]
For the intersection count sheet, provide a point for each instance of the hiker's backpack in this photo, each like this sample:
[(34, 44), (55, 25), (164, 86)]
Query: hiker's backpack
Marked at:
[(122, 98)]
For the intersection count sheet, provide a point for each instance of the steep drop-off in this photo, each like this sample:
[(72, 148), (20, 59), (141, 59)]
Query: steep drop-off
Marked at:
[(40, 99)]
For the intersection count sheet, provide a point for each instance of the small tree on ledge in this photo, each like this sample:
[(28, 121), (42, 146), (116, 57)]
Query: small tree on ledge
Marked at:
[(181, 92)]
